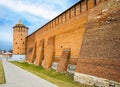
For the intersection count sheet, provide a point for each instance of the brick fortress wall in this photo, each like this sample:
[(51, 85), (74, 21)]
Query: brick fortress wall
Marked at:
[(89, 31), (67, 30)]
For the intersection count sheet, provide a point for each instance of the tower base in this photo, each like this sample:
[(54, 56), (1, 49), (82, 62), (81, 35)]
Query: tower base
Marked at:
[(18, 57)]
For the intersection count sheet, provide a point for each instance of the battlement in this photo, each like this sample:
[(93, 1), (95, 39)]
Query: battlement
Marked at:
[(80, 8)]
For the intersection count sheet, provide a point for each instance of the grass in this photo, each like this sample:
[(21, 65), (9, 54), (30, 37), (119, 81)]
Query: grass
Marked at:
[(60, 79), (2, 77)]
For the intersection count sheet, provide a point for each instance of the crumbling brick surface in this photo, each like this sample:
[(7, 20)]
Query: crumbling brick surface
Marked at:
[(100, 67), (102, 34), (100, 51)]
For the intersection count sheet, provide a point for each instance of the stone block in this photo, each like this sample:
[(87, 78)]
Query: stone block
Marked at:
[(93, 80), (63, 63), (71, 68), (54, 65)]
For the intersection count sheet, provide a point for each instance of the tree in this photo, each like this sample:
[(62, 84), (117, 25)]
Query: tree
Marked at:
[(4, 51), (10, 50)]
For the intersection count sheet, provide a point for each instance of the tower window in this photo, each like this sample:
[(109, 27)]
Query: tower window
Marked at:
[(18, 48), (61, 46), (21, 38), (16, 42), (23, 43), (21, 34)]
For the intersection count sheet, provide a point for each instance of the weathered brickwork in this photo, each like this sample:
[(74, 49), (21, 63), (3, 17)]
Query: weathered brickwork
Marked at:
[(101, 67), (91, 30), (99, 55)]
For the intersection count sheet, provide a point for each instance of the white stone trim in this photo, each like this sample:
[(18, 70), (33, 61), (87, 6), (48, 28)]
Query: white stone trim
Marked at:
[(54, 65), (93, 80), (18, 57)]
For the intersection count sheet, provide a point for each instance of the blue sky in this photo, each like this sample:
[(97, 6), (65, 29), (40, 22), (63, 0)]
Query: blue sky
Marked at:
[(34, 13)]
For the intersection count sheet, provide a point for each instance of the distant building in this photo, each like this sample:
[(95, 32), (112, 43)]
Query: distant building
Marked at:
[(7, 54)]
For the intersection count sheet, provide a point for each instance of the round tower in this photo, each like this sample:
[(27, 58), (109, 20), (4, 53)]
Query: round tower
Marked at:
[(20, 32)]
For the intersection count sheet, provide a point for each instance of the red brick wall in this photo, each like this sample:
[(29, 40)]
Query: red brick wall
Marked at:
[(48, 59), (39, 52), (68, 34), (101, 67), (90, 36), (68, 29), (30, 46), (100, 51)]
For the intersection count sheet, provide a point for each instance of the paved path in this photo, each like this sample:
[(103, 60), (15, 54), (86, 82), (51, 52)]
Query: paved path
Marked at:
[(17, 77)]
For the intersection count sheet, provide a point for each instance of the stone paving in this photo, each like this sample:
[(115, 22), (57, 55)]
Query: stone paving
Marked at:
[(17, 77)]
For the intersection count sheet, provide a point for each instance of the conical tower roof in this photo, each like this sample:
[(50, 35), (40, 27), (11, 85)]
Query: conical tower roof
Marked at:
[(20, 24), (20, 21)]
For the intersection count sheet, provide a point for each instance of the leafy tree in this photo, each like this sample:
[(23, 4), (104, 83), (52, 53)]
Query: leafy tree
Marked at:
[(10, 50)]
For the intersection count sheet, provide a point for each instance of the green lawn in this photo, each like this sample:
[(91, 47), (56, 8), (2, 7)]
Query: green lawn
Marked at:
[(2, 77), (60, 79)]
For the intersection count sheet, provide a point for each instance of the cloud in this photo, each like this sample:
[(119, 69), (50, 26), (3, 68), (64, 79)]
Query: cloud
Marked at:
[(47, 9), (44, 11), (34, 13)]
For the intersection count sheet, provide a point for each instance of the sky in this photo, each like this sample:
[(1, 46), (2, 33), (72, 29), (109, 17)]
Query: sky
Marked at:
[(34, 14)]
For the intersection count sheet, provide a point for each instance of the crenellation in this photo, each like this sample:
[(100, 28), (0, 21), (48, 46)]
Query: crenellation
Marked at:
[(80, 7), (83, 6), (59, 20), (72, 12), (90, 4), (56, 22), (77, 9), (67, 15), (87, 5), (51, 24), (63, 18)]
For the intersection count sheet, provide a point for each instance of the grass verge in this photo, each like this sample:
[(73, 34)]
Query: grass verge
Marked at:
[(60, 79), (2, 77)]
